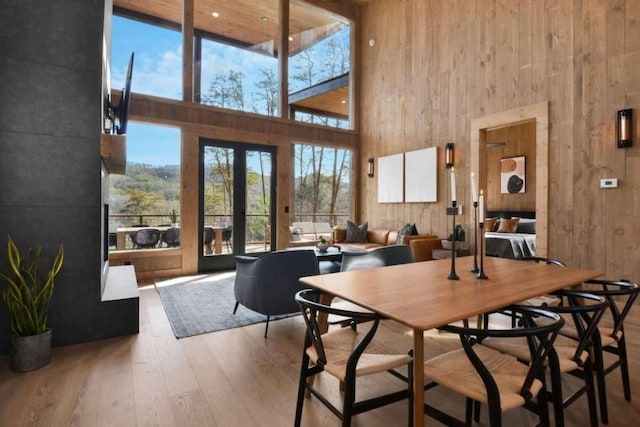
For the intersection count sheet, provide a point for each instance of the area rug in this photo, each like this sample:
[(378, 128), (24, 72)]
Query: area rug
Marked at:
[(202, 304)]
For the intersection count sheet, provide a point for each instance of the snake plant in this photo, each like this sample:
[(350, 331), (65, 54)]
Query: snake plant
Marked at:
[(27, 295)]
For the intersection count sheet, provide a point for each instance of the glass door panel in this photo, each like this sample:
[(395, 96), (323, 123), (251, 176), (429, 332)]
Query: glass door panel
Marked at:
[(237, 187), (258, 201)]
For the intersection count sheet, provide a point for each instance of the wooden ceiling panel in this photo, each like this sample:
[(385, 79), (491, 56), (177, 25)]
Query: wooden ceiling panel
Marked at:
[(250, 22), (335, 101)]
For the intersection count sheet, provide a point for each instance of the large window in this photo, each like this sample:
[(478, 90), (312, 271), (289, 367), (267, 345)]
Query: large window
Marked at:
[(238, 79), (236, 53), (157, 68), (322, 184), (319, 65), (148, 195)]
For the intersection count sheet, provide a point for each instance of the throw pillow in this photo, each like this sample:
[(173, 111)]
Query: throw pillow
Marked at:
[(406, 230), (508, 225), (356, 233), (526, 226), (490, 224)]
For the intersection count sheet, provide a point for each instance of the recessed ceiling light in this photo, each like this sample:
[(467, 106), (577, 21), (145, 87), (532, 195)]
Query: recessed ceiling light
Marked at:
[(290, 38), (215, 14), (343, 101), (264, 19)]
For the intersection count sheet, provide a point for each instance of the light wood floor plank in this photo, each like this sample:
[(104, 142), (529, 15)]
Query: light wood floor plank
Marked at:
[(230, 378)]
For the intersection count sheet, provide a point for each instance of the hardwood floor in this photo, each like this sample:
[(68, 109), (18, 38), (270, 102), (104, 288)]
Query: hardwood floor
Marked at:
[(228, 378)]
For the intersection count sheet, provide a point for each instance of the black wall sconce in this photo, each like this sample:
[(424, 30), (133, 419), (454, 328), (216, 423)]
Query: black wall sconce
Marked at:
[(370, 167), (624, 126), (448, 155)]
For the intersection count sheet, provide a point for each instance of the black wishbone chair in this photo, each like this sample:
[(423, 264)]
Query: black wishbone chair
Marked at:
[(542, 300), (582, 313), (485, 375), (345, 354), (621, 295)]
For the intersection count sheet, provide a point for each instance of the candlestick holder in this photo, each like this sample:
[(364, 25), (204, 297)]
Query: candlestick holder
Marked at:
[(481, 274), (453, 211), (475, 269)]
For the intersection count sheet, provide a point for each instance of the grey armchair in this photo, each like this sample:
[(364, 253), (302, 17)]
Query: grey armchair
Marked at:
[(268, 284), (378, 257)]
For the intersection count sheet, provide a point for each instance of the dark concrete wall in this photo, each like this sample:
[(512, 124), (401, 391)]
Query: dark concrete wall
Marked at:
[(50, 166)]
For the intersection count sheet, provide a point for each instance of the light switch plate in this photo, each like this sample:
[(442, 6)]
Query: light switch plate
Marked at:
[(609, 183)]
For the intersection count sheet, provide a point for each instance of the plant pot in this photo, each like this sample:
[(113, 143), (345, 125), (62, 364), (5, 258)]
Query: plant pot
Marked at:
[(29, 353), (323, 247)]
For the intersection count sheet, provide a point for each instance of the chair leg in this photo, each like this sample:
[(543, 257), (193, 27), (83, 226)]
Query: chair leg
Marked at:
[(602, 385), (236, 307), (468, 411), (266, 328), (624, 368), (556, 394), (349, 398), (591, 392), (410, 385), (301, 388)]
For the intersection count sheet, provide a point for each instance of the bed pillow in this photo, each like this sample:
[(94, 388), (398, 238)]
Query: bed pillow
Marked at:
[(490, 224), (526, 226), (356, 233), (508, 225), (406, 230)]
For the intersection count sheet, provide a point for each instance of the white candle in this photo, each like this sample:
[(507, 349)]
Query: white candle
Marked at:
[(453, 185), (481, 204), (474, 188)]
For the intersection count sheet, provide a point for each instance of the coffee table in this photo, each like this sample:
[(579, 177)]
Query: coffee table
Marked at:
[(330, 259)]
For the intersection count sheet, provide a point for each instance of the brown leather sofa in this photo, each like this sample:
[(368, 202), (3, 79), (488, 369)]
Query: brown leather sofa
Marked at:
[(421, 245)]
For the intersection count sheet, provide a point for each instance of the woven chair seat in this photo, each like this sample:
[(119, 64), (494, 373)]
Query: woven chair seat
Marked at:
[(565, 348), (339, 345), (454, 371), (605, 328), (542, 301)]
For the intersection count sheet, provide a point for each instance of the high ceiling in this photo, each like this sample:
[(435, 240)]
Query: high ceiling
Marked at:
[(254, 24)]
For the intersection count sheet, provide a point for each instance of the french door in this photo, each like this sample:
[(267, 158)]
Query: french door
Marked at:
[(237, 200)]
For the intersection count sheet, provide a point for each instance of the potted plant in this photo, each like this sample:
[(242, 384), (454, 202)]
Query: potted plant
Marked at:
[(174, 218), (323, 245), (27, 295)]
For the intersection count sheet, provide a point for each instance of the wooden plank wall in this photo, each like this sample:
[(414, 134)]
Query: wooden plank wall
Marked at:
[(436, 65)]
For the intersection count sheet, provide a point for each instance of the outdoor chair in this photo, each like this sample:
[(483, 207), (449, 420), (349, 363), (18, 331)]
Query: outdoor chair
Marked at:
[(582, 312), (488, 376), (171, 237), (346, 354), (268, 284), (226, 238), (610, 338), (208, 236), (145, 238)]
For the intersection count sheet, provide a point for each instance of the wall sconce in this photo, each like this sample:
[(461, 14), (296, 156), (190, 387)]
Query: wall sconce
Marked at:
[(370, 167), (448, 155), (624, 126)]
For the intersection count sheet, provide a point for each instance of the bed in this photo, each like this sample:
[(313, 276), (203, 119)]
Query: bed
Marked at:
[(517, 244)]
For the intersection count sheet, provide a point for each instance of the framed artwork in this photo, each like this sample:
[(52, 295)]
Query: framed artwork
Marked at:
[(512, 175), (390, 179), (421, 175)]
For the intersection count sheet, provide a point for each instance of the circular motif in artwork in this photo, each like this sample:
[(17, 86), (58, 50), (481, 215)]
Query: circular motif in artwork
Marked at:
[(514, 184)]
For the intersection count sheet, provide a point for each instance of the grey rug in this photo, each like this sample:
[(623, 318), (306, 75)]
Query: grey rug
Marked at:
[(201, 304)]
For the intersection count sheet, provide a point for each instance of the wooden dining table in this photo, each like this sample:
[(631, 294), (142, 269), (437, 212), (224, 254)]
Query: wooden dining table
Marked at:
[(420, 296)]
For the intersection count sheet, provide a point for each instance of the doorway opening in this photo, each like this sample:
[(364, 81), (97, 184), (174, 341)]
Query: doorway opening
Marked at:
[(236, 203), (538, 114)]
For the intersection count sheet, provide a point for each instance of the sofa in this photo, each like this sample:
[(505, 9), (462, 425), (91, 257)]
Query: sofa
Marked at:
[(422, 245)]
